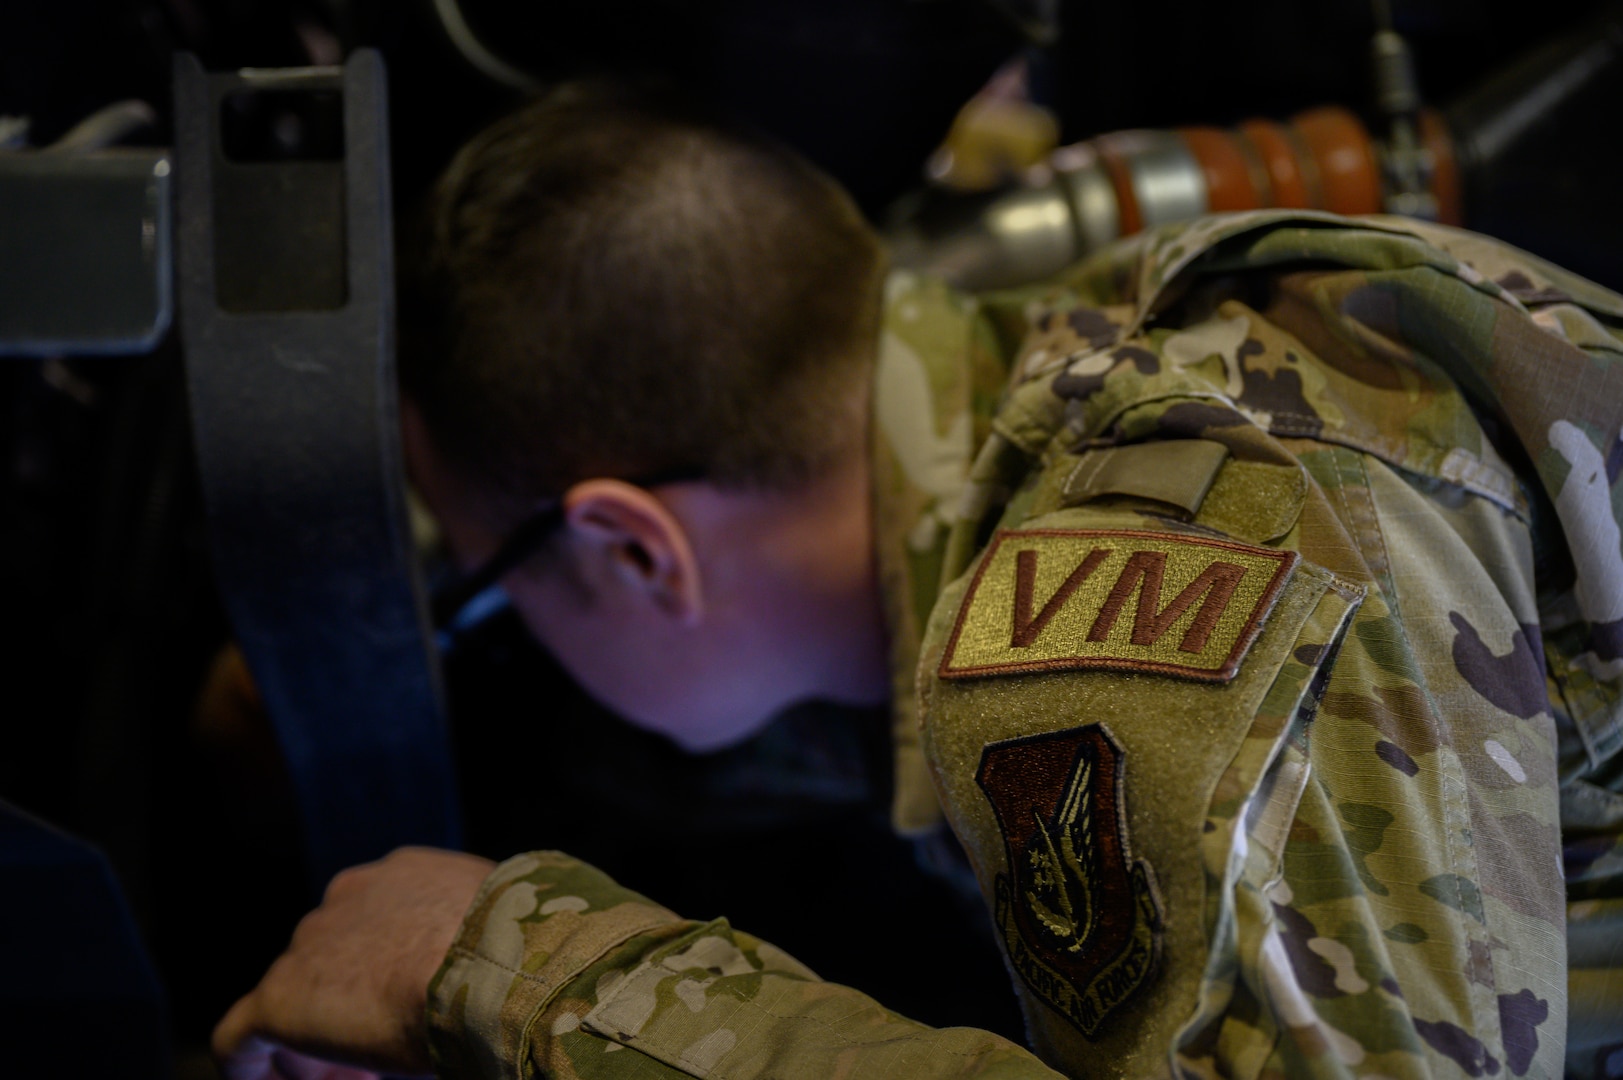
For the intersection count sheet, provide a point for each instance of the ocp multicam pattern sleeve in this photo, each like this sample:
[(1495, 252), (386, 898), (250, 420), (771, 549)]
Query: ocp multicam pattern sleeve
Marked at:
[(560, 972)]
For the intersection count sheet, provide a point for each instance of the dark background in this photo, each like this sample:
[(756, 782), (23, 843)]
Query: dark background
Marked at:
[(114, 617)]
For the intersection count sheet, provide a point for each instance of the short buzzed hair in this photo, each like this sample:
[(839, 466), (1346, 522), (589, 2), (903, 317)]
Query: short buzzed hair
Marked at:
[(616, 286)]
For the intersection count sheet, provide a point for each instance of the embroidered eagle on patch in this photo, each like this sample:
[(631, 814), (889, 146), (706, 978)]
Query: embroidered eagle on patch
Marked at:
[(1080, 918), (1122, 599)]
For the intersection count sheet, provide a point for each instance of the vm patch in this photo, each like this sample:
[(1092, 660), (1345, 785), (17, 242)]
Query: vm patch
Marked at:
[(1079, 916), (1119, 599)]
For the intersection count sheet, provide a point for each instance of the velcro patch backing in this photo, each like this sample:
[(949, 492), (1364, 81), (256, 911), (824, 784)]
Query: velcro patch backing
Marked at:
[(1117, 599)]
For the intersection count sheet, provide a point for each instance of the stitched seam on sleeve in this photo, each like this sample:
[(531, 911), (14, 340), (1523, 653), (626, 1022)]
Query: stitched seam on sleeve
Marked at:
[(1457, 859), (533, 977), (550, 988), (1077, 478)]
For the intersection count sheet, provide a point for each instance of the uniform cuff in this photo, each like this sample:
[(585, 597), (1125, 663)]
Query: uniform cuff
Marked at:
[(537, 922)]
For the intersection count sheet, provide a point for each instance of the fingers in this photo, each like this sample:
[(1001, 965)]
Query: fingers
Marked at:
[(250, 1060), (292, 1065), (235, 1029), (256, 1058)]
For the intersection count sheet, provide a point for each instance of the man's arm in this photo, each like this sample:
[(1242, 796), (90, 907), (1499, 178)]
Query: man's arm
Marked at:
[(558, 971)]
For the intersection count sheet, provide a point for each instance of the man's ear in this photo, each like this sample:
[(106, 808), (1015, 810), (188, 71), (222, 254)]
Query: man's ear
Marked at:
[(643, 543)]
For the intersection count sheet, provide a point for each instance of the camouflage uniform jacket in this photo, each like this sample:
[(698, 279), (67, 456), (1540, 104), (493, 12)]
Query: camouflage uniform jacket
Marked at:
[(1267, 661)]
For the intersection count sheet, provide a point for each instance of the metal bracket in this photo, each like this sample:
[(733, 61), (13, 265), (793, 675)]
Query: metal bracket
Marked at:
[(286, 287)]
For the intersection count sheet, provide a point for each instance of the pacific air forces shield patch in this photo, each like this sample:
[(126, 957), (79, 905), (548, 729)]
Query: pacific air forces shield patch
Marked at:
[(1079, 916)]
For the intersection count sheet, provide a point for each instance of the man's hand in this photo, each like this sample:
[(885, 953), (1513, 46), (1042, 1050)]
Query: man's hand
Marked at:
[(353, 984)]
